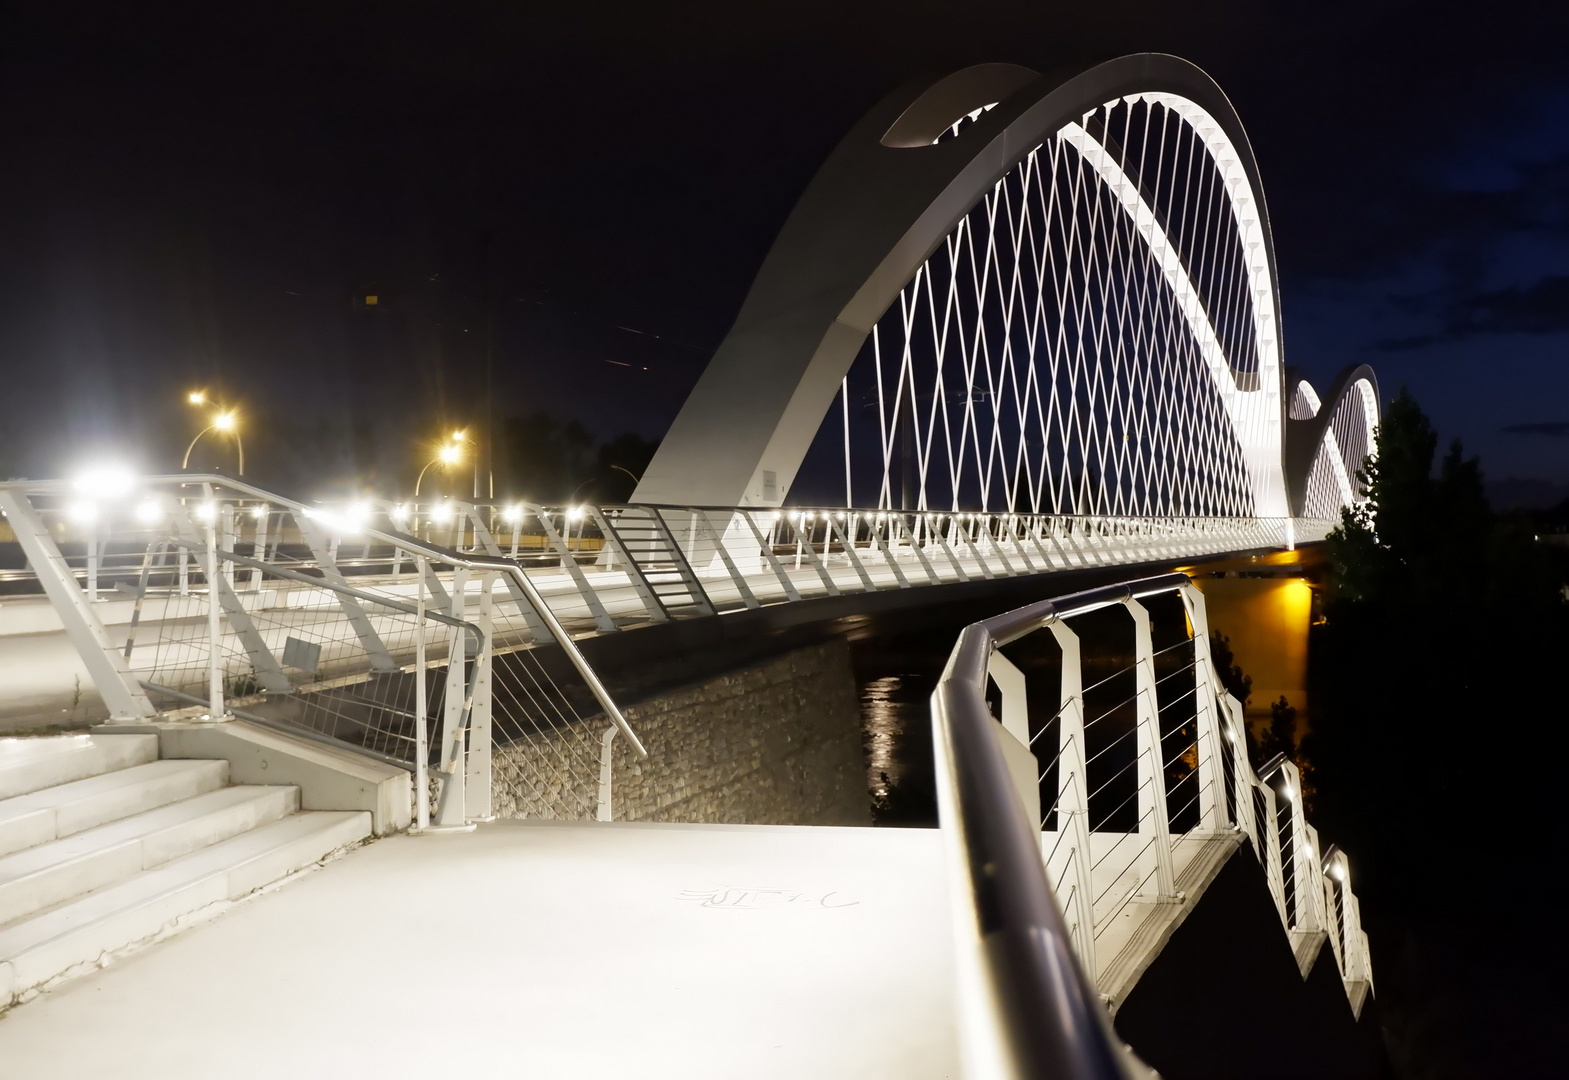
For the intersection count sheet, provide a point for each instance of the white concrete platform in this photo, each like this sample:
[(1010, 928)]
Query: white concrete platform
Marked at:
[(541, 950)]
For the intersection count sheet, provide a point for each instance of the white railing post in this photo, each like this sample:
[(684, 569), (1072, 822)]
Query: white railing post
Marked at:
[(1073, 795), (1154, 821), (421, 705), (93, 545), (1354, 941), (476, 790), (215, 707), (1304, 859), (1206, 684), (602, 811), (1242, 779), (450, 809), (1022, 765), (259, 548), (226, 538), (1269, 844)]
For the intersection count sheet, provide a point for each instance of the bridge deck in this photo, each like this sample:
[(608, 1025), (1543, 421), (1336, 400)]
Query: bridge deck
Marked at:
[(542, 950), (45, 678)]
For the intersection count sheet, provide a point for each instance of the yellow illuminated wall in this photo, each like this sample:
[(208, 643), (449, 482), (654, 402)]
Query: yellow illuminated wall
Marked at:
[(1267, 621)]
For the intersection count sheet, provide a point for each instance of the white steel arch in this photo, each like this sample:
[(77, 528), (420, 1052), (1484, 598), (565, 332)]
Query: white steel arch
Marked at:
[(1347, 439), (885, 204)]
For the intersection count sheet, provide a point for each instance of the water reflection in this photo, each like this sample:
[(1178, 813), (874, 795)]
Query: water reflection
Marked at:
[(896, 670), (885, 712), (896, 726)]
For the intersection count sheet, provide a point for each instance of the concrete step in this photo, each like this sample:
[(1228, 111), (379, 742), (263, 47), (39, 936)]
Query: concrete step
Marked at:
[(28, 765), (41, 876), (37, 818), (37, 948)]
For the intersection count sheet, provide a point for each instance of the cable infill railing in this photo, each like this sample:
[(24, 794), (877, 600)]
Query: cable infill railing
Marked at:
[(608, 567), (1078, 810), (429, 658)]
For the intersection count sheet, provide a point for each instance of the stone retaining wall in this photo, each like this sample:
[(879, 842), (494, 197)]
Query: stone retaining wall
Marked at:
[(778, 743)]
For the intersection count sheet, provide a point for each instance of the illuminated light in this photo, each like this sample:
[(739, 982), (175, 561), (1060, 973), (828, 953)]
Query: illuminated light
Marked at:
[(224, 421), (811, 515), (399, 514), (207, 511), (197, 397), (512, 515), (441, 513), (1338, 872), (149, 512), (573, 513), (839, 517), (260, 512), (105, 482), (451, 454), (83, 513), (1286, 790), (457, 436), (773, 516), (334, 522)]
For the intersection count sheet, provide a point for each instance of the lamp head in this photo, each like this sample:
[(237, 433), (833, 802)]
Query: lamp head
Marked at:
[(451, 454), (224, 421), (197, 397)]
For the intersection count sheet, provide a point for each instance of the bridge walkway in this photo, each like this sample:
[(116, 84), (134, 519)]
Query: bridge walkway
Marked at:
[(45, 676), (545, 950)]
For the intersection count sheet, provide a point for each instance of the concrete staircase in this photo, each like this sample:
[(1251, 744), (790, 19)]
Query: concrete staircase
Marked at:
[(103, 845)]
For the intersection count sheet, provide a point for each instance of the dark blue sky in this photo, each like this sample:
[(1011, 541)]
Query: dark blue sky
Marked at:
[(192, 194)]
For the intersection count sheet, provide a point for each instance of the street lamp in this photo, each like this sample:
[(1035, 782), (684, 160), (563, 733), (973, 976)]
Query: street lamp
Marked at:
[(459, 437), (226, 422), (449, 454)]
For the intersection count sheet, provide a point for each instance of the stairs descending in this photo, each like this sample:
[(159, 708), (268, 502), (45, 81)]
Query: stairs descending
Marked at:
[(643, 536), (102, 845)]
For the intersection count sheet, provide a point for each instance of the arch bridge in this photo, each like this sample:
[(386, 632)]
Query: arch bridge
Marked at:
[(1026, 326)]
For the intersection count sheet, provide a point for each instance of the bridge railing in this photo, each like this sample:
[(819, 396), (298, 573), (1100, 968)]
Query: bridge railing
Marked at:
[(605, 567), (203, 597), (630, 564), (1080, 800)]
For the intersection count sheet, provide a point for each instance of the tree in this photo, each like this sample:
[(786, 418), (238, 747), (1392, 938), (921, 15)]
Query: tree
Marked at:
[(1281, 735), (1237, 684), (546, 458), (1442, 622), (620, 460)]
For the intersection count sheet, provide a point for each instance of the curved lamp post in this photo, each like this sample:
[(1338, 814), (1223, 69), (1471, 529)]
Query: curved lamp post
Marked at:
[(225, 422), (450, 454)]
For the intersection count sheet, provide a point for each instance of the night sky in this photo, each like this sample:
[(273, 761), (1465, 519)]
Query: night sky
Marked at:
[(193, 196)]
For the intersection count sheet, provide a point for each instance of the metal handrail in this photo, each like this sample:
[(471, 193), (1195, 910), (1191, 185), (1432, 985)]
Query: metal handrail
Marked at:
[(417, 546), (1012, 625), (1054, 1022), (1029, 1005)]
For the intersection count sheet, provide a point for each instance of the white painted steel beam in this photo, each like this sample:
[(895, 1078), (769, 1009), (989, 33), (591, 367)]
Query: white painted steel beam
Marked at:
[(122, 695)]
